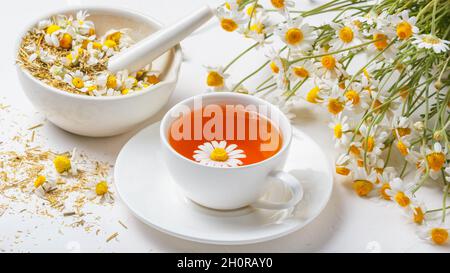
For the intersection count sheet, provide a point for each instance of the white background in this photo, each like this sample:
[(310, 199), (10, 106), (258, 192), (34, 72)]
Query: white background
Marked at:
[(348, 223)]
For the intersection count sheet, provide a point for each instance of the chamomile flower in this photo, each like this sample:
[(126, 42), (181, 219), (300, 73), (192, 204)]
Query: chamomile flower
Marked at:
[(44, 56), (435, 159), (277, 66), (356, 97), (405, 26), (400, 192), (101, 192), (401, 126), (340, 127), (218, 154), (125, 81), (76, 80), (44, 184), (302, 70), (315, 95), (335, 102), (347, 35), (296, 34), (385, 177), (82, 25), (416, 212), (403, 145), (259, 28), (116, 39), (364, 182), (282, 5), (329, 67), (57, 72), (231, 19), (435, 233), (382, 45), (342, 165), (216, 78), (373, 139), (430, 41)]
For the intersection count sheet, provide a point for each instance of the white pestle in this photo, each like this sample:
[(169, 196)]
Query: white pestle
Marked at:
[(150, 48)]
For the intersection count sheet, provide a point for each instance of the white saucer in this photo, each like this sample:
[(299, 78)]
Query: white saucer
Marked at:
[(145, 186)]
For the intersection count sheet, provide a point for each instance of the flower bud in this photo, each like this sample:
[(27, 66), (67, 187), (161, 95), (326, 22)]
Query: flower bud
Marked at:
[(438, 135), (419, 126), (438, 84)]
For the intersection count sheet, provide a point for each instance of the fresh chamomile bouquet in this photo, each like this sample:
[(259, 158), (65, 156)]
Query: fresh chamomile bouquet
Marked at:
[(380, 69)]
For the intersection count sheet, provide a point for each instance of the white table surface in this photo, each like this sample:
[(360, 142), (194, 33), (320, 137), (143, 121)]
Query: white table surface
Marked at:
[(348, 223)]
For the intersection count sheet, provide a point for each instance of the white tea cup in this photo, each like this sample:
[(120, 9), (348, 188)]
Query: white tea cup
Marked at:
[(232, 187)]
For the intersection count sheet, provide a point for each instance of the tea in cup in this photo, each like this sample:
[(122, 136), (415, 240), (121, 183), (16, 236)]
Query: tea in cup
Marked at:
[(222, 149)]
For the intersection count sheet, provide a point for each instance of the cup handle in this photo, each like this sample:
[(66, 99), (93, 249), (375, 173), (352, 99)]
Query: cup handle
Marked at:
[(289, 181)]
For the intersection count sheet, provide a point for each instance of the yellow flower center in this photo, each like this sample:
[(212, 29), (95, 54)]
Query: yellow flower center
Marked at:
[(402, 131), (436, 160), (214, 79), (40, 180), (274, 67), (111, 81), (362, 187), (402, 199), (257, 27), (52, 28), (439, 235), (418, 215), (313, 95), (279, 4), (77, 82), (342, 170), (96, 45), (110, 43), (66, 41), (219, 154), (383, 193), (346, 34), (153, 79), (62, 163), (125, 91), (301, 72), (294, 36), (91, 31), (228, 24), (430, 39), (335, 106), (328, 61), (369, 144), (114, 37), (354, 150), (402, 148), (381, 41), (404, 30), (353, 96), (360, 163), (251, 10), (101, 188), (338, 130)]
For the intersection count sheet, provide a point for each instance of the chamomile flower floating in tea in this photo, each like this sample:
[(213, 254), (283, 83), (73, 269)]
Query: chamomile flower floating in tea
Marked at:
[(68, 54), (218, 154)]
